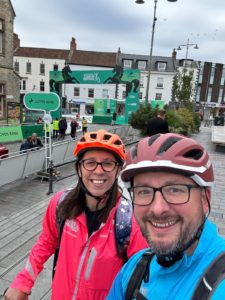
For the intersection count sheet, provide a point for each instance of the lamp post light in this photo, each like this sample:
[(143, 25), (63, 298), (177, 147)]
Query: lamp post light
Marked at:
[(195, 46), (152, 42)]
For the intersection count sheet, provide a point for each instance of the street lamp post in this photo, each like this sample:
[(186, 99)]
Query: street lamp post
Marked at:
[(152, 42), (195, 46)]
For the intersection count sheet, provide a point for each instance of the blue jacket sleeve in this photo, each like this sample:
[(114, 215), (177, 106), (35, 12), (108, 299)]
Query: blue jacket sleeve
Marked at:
[(116, 291)]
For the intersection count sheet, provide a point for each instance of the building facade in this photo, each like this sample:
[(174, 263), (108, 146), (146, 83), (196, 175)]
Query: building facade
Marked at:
[(9, 80)]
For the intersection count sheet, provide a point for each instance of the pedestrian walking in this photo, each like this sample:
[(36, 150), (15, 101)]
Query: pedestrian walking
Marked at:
[(62, 128), (170, 178), (90, 213), (84, 125), (73, 128), (55, 127)]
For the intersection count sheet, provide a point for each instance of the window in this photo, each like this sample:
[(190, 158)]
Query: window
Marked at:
[(42, 69), (127, 63), (141, 81), (141, 64), (140, 95), (223, 77), (159, 83), (158, 96), (105, 93), (1, 36), (28, 67), (17, 67), (212, 74), (42, 86), (76, 92), (23, 85), (220, 95), (198, 94), (2, 100), (91, 93), (124, 95), (55, 67), (161, 66), (209, 94)]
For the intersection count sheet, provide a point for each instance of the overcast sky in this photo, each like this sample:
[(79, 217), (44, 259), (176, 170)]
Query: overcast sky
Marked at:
[(105, 25)]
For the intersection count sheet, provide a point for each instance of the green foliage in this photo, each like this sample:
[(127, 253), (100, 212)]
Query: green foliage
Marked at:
[(183, 85), (140, 118), (183, 120)]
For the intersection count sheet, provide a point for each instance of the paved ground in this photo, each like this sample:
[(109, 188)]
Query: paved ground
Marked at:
[(23, 203)]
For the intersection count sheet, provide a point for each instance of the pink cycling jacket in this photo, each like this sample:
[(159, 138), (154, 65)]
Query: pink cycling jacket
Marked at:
[(86, 266)]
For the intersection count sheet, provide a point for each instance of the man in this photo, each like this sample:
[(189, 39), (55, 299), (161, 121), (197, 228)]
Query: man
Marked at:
[(55, 127), (170, 179), (158, 124), (35, 142)]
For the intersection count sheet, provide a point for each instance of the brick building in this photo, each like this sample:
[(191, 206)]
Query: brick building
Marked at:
[(9, 80)]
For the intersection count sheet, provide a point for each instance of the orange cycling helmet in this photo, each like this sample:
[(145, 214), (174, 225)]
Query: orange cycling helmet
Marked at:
[(103, 140)]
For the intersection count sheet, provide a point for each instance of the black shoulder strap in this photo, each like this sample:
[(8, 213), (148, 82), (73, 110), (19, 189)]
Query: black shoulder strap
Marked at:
[(123, 226), (60, 224), (140, 272), (214, 274)]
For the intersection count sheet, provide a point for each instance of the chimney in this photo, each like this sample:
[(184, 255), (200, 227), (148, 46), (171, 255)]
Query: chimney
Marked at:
[(174, 54), (73, 44), (16, 42)]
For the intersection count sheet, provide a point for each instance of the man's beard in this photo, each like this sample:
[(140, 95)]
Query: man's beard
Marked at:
[(180, 242)]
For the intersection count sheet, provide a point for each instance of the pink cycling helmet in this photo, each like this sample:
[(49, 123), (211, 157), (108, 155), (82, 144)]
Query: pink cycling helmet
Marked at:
[(170, 152)]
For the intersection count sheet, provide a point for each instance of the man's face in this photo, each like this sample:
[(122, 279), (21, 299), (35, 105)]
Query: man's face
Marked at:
[(168, 227), (98, 181), (34, 137)]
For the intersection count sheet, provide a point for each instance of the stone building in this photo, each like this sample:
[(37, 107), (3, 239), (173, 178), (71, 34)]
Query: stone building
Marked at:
[(9, 80)]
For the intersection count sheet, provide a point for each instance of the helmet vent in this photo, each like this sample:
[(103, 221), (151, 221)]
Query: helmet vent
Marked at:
[(118, 142), (107, 137), (133, 152), (168, 144), (196, 154), (93, 136), (152, 139), (82, 139)]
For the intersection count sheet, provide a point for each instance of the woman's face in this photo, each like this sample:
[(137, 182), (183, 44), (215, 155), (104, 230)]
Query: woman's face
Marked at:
[(98, 181)]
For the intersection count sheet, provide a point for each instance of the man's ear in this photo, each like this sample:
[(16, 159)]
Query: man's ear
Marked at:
[(206, 197)]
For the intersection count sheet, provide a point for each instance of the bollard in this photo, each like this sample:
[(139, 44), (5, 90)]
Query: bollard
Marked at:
[(51, 169)]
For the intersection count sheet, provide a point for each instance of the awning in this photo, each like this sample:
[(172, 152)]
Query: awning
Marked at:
[(77, 101)]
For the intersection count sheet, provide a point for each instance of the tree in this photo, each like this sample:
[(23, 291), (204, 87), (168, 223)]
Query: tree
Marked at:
[(183, 86)]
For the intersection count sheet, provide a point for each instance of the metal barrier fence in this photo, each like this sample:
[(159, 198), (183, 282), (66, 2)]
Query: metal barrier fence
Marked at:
[(19, 165)]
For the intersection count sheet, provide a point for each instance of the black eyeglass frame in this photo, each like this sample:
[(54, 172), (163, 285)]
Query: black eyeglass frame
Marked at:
[(99, 163), (189, 186)]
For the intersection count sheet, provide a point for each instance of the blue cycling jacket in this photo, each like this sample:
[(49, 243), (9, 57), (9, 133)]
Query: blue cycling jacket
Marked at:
[(178, 281)]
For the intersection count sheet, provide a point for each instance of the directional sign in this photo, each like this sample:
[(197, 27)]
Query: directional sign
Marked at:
[(41, 101)]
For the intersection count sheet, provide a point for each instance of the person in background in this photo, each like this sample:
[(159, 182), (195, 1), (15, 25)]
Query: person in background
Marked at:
[(114, 118), (73, 128), (35, 142), (62, 128), (84, 125), (88, 259), (55, 127), (158, 124), (26, 145), (170, 178)]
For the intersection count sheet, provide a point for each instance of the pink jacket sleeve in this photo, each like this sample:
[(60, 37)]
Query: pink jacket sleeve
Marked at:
[(41, 251), (137, 241)]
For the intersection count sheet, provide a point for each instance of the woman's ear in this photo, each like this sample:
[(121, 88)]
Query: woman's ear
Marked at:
[(78, 166)]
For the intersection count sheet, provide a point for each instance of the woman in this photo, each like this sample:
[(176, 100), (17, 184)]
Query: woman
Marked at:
[(88, 259)]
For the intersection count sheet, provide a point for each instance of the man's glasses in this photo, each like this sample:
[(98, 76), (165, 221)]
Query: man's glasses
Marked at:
[(91, 165), (172, 193)]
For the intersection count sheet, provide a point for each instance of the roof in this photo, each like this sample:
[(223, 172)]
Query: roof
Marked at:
[(91, 58), (42, 53)]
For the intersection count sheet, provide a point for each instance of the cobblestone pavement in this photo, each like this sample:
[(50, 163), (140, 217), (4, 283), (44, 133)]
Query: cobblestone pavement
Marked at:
[(23, 203)]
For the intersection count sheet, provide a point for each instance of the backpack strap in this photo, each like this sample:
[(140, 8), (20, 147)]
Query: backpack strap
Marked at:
[(210, 279), (60, 224), (140, 272), (123, 226)]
